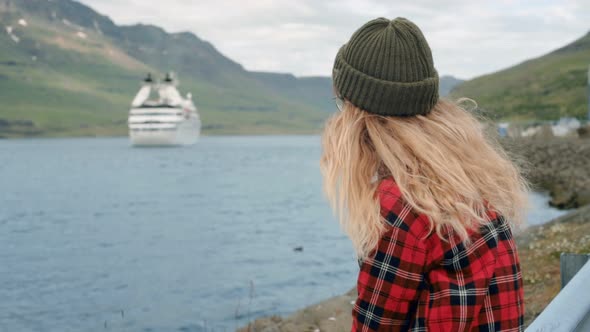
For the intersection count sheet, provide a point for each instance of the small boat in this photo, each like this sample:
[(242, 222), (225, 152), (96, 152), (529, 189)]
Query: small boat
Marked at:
[(160, 116)]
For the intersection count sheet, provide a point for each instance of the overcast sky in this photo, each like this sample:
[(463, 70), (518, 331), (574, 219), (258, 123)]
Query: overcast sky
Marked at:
[(468, 37)]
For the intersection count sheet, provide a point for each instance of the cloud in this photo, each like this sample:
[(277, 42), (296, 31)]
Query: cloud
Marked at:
[(468, 38)]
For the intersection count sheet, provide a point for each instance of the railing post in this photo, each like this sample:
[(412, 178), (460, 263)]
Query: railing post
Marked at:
[(570, 264)]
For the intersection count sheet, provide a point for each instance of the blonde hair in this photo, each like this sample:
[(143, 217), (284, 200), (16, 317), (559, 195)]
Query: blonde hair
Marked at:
[(443, 163)]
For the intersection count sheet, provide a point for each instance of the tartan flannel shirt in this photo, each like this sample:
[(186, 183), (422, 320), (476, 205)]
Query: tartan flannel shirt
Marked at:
[(417, 282)]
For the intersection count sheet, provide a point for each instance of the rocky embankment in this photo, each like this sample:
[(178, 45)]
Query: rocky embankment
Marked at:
[(558, 165)]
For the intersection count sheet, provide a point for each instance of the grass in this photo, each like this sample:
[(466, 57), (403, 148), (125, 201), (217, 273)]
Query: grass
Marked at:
[(539, 258), (545, 88)]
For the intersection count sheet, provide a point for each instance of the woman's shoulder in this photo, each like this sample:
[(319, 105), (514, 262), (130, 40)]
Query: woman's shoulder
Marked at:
[(392, 202), (388, 191), (397, 212)]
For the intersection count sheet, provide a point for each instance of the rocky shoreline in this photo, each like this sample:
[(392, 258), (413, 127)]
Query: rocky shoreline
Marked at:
[(556, 165)]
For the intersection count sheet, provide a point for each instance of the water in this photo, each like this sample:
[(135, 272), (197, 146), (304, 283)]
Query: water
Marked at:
[(97, 236), (540, 212)]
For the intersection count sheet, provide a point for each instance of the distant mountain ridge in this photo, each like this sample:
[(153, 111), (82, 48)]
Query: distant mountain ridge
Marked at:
[(448, 83), (67, 70), (74, 72), (545, 88)]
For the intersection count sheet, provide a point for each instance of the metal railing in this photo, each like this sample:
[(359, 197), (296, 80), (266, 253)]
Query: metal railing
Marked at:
[(570, 309)]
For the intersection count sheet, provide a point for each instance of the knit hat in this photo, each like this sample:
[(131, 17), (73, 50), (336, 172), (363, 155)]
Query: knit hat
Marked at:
[(386, 68)]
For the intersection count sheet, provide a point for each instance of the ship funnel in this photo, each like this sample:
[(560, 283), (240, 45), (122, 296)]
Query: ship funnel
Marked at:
[(169, 78), (148, 78)]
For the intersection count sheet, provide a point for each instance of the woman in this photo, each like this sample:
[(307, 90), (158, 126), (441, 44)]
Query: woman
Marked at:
[(426, 199)]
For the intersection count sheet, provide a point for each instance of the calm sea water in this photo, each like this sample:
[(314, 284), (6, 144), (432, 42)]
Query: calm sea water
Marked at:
[(98, 236)]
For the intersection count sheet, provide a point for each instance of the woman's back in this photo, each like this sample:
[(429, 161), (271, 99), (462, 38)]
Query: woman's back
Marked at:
[(417, 281)]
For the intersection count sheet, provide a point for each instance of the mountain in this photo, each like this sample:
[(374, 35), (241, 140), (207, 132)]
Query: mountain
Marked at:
[(545, 88), (448, 83), (68, 70)]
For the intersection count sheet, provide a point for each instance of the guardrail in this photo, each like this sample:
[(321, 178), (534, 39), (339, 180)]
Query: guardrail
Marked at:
[(570, 309)]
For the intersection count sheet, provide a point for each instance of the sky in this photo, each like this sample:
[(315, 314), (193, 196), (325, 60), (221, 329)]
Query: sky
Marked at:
[(468, 38)]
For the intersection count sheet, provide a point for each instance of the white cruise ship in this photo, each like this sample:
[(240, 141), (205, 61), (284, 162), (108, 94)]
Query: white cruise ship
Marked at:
[(160, 116)]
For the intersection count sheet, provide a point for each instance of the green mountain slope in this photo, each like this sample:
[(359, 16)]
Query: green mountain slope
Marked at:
[(545, 88), (67, 70)]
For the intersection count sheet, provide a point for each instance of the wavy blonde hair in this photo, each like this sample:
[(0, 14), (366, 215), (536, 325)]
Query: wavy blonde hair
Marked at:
[(443, 163)]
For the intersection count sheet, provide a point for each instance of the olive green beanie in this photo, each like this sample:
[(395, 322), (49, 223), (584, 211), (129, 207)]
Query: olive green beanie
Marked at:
[(386, 68)]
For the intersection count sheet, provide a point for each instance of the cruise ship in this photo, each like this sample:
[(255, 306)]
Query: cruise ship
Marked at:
[(160, 116)]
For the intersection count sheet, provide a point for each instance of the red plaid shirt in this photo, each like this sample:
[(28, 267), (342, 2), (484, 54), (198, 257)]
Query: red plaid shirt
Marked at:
[(417, 282)]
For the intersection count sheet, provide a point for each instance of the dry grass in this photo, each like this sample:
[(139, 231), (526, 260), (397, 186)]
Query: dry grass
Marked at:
[(539, 251)]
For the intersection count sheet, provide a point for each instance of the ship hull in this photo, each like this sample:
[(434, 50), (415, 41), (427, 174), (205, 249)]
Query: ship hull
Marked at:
[(163, 130)]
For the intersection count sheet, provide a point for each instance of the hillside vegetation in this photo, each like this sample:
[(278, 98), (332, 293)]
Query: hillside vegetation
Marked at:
[(67, 70), (545, 88)]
